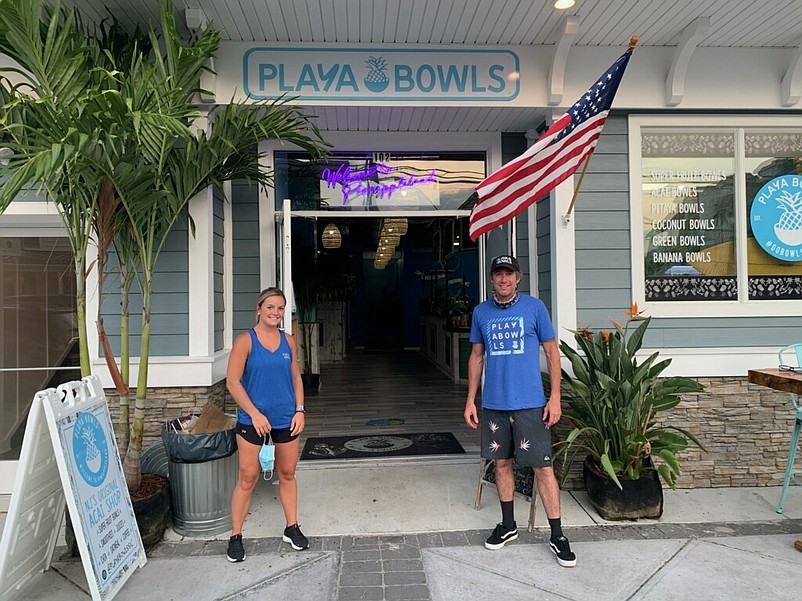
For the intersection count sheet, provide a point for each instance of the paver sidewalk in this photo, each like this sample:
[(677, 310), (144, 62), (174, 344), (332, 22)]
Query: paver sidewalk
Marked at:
[(374, 538)]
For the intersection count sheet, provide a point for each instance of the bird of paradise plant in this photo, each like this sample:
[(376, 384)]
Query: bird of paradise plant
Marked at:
[(614, 400)]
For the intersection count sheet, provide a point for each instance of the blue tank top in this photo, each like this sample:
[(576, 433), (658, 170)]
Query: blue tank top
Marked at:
[(267, 379)]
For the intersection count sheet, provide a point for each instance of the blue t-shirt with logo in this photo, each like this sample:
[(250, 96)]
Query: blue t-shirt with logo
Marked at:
[(512, 339)]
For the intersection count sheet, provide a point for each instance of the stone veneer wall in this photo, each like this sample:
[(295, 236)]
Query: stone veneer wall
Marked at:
[(746, 429), (165, 404)]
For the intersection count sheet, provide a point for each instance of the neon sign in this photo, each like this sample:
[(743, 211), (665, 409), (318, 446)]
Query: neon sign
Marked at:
[(366, 183), (344, 175)]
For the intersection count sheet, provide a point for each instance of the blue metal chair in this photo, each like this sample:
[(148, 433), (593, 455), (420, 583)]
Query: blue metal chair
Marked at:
[(790, 358)]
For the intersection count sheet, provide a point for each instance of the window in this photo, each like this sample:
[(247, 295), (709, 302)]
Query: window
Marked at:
[(773, 164), (719, 203), (384, 181), (39, 332)]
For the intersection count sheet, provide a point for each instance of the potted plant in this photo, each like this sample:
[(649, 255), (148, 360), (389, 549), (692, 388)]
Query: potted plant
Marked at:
[(614, 400), (458, 313), (320, 279), (307, 295)]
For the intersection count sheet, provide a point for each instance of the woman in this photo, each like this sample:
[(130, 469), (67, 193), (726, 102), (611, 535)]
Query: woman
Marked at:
[(264, 379)]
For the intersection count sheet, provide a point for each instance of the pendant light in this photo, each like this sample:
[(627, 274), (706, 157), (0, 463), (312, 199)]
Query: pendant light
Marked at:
[(398, 225), (331, 237)]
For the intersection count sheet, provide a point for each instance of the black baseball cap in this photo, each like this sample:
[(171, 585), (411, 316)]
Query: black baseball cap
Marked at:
[(505, 262)]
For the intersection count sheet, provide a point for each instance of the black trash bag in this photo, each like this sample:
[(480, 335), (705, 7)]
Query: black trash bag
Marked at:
[(198, 448)]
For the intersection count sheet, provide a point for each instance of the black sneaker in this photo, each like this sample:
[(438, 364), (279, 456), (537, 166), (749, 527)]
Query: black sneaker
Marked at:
[(501, 536), (562, 549), (294, 536), (236, 552)]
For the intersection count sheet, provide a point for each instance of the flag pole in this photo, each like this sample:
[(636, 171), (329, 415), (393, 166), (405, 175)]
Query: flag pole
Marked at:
[(567, 217)]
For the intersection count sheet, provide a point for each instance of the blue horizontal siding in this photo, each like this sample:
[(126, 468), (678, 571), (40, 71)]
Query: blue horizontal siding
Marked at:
[(246, 241)]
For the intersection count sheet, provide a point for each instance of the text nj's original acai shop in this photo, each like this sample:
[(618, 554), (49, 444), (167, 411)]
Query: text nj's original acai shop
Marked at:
[(691, 207)]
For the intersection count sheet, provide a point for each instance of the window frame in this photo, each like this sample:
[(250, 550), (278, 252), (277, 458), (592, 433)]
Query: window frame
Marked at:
[(736, 124)]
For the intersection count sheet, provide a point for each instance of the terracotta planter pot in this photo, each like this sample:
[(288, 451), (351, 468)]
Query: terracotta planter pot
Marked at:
[(642, 498), (152, 508)]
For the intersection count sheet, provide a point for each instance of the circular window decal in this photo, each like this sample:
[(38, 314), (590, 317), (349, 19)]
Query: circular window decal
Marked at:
[(776, 218), (377, 444)]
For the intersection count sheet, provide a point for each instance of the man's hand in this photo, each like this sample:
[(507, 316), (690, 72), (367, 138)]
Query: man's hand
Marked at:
[(552, 412), (471, 416)]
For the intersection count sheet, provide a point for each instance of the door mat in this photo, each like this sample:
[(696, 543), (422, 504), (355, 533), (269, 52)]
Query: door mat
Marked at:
[(372, 446)]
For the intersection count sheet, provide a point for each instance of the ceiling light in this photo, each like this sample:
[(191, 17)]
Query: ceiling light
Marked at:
[(331, 237), (563, 4), (398, 225)]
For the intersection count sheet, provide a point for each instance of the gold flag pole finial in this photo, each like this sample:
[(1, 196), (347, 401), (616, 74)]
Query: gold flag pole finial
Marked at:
[(633, 41)]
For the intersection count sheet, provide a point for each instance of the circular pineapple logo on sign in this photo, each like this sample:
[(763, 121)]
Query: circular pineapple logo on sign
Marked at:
[(376, 79), (776, 217), (90, 450)]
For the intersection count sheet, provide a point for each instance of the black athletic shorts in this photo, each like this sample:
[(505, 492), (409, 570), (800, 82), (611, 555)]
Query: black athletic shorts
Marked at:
[(277, 435), (520, 434)]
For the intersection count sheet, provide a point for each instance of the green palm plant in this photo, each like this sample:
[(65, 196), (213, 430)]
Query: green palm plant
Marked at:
[(51, 149), (613, 403), (128, 125), (49, 119)]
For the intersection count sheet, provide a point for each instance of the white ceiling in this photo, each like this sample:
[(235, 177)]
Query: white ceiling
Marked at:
[(735, 23), (604, 23)]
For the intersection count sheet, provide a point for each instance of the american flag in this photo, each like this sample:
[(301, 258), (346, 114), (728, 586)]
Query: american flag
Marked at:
[(552, 159)]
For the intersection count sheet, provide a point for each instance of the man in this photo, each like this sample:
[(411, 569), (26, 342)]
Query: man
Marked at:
[(507, 332)]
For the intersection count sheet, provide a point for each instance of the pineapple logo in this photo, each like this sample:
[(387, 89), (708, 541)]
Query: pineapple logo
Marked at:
[(376, 80), (789, 227), (90, 450), (776, 218)]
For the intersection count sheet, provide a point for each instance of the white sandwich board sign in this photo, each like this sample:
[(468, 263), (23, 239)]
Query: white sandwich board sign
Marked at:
[(69, 453)]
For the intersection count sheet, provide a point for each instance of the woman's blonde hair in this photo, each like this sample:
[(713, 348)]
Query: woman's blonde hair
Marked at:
[(268, 292)]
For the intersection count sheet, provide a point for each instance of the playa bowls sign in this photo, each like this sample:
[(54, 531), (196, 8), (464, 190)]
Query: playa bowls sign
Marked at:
[(371, 74)]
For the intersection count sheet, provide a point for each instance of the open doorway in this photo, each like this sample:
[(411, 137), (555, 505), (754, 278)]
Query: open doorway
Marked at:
[(382, 274), (378, 301)]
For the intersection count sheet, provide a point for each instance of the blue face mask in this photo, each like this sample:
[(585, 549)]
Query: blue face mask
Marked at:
[(267, 458)]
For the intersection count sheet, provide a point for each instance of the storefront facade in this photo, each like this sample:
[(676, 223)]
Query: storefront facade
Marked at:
[(691, 207)]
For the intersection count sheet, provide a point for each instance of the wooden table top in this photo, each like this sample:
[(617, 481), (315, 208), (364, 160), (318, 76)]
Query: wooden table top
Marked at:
[(778, 379)]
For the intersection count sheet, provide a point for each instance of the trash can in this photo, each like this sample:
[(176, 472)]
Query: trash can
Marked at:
[(203, 473)]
